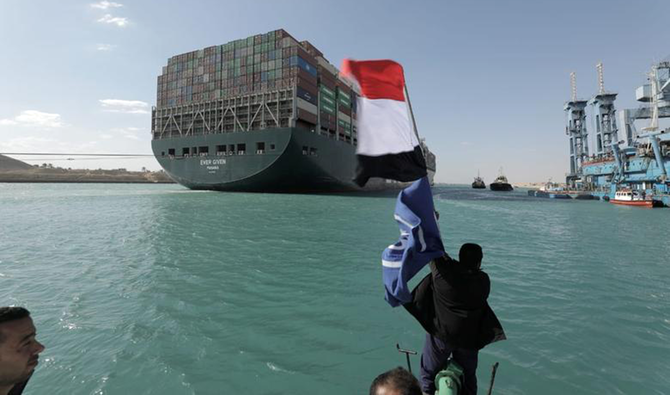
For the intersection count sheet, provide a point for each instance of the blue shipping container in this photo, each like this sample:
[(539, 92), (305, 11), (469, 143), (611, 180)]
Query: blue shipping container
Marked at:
[(296, 60), (303, 94), (306, 66)]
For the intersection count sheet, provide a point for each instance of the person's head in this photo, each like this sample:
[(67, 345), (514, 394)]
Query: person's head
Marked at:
[(471, 255), (396, 381), (19, 349)]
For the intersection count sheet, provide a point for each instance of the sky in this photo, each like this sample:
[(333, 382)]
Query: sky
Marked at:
[(487, 79)]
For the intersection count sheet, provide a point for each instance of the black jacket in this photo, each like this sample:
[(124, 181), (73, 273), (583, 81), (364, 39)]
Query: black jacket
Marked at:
[(450, 303), (17, 389)]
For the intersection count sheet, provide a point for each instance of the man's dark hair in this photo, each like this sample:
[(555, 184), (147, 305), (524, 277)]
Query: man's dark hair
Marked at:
[(10, 314), (471, 255), (398, 379)]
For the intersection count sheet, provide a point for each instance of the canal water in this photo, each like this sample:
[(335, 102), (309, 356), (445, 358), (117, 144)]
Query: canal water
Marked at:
[(154, 289)]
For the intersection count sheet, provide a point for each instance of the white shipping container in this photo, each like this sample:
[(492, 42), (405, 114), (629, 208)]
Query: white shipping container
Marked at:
[(307, 106), (344, 117)]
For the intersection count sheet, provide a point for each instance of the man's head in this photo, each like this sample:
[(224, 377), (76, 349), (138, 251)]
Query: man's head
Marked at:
[(19, 349), (471, 255), (396, 381)]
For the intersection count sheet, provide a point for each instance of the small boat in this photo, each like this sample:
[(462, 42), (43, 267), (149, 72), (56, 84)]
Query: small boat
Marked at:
[(627, 197), (501, 183), (550, 190), (478, 183)]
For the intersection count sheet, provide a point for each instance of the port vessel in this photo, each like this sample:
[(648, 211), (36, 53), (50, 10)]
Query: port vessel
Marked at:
[(266, 113), (629, 149), (501, 183), (478, 183)]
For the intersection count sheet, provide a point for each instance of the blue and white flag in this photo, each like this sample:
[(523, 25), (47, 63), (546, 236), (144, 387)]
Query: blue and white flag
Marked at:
[(419, 243)]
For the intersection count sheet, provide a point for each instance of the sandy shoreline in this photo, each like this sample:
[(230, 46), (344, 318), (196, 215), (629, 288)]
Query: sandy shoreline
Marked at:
[(83, 176)]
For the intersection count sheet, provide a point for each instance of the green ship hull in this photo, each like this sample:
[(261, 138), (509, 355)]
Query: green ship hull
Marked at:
[(293, 160)]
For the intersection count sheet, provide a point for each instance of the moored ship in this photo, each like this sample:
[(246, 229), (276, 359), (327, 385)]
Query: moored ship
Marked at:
[(634, 198), (262, 114), (550, 190)]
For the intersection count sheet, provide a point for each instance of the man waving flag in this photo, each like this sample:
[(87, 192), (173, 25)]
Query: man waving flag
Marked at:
[(388, 146), (450, 302)]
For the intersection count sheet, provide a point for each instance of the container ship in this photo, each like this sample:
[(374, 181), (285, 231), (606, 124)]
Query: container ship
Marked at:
[(267, 113), (626, 157)]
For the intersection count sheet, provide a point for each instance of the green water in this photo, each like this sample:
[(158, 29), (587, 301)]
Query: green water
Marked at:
[(150, 289)]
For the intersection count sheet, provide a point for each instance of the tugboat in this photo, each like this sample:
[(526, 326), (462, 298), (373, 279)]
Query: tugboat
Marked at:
[(478, 183), (501, 183)]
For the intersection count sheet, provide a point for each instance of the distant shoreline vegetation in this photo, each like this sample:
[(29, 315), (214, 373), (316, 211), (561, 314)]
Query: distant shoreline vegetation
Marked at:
[(13, 170), (55, 174)]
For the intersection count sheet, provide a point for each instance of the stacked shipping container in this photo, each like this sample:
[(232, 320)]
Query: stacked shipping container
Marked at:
[(259, 64)]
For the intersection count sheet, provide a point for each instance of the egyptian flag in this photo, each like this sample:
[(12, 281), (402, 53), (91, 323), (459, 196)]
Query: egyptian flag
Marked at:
[(419, 243), (387, 143)]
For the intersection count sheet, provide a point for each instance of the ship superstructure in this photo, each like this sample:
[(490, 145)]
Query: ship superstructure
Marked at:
[(636, 157), (266, 113)]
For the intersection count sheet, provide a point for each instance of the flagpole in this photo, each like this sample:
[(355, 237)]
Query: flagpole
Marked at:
[(411, 112)]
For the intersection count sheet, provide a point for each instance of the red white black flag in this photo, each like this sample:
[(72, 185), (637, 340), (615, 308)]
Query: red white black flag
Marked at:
[(387, 144)]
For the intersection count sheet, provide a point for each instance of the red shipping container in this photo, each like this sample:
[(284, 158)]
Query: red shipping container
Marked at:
[(311, 48), (328, 84), (306, 76), (307, 116), (306, 56), (308, 86), (325, 75)]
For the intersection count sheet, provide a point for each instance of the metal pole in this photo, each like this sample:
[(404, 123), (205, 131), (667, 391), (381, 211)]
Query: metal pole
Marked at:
[(407, 353), (493, 377), (411, 112)]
